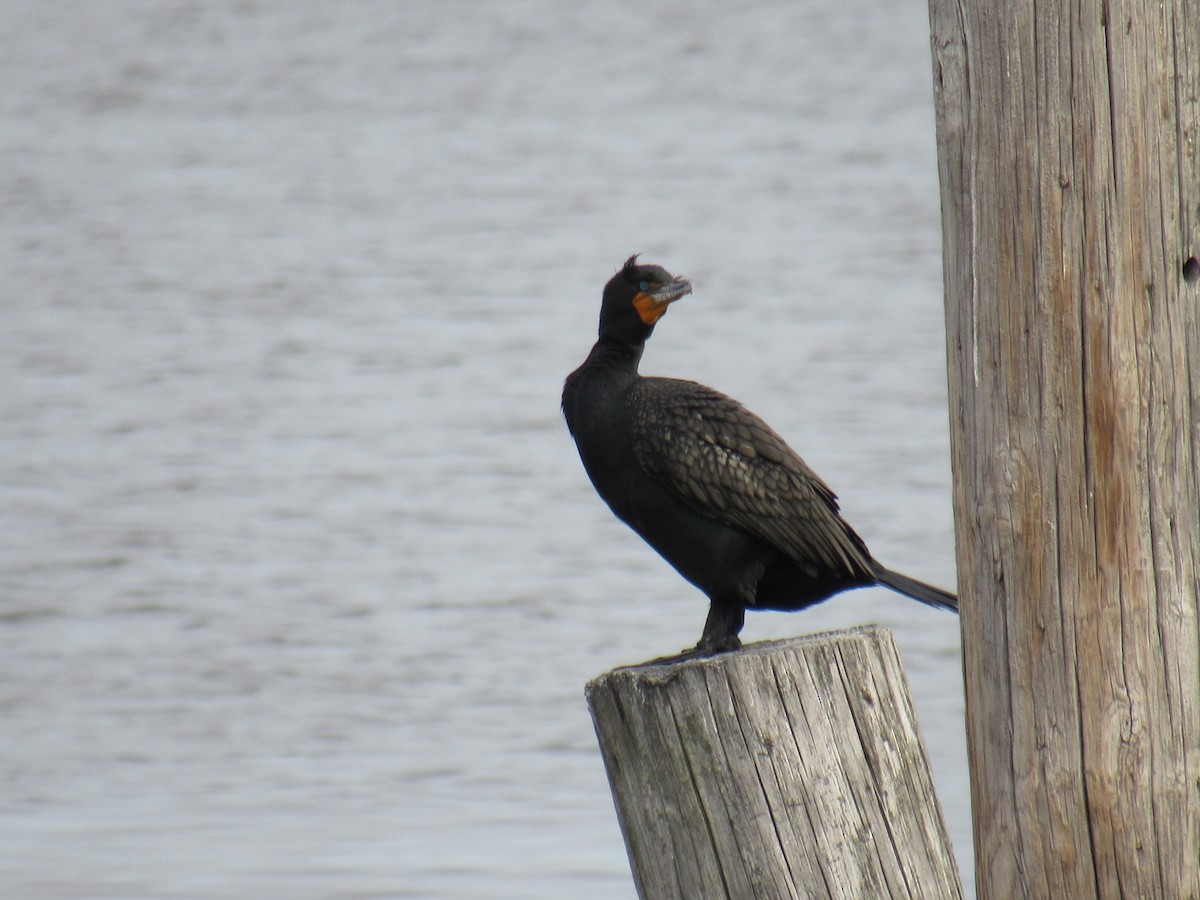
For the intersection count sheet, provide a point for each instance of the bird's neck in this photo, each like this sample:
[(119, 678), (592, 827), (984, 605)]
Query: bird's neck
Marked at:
[(615, 356), (593, 396)]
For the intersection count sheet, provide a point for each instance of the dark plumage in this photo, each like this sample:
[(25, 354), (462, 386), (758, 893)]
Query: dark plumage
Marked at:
[(706, 482)]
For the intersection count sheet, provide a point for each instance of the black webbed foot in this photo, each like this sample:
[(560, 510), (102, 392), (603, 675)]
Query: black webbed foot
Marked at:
[(702, 650)]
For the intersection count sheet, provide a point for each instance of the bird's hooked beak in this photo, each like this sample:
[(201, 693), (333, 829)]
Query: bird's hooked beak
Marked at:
[(652, 304)]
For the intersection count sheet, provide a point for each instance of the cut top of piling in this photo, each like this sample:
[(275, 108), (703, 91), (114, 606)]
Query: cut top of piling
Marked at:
[(790, 768)]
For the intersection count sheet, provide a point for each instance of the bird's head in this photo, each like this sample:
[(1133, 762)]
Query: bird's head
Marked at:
[(636, 298)]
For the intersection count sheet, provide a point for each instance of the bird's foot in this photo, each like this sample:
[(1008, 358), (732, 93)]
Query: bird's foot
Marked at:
[(702, 650)]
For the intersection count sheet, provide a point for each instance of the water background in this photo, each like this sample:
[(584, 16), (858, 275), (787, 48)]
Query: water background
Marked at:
[(300, 577)]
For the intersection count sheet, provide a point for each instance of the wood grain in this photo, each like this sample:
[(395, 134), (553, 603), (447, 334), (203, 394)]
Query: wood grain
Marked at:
[(1070, 182)]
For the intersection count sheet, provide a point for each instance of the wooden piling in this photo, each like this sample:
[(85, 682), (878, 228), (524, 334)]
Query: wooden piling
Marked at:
[(790, 769), (1069, 156)]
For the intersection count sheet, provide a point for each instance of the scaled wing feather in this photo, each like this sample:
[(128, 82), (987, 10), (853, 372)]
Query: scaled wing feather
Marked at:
[(727, 464)]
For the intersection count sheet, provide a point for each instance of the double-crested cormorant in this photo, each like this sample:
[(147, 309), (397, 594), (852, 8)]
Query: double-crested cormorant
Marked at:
[(706, 482)]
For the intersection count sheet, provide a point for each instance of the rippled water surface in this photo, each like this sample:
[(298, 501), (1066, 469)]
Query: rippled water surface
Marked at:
[(301, 577)]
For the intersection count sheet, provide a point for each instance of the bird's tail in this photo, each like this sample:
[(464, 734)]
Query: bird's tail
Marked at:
[(918, 590)]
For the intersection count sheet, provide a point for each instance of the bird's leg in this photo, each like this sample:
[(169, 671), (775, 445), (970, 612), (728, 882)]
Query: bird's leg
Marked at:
[(721, 628), (720, 634)]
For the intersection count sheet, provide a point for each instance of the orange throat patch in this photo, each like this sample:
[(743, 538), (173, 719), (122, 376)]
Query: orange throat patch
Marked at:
[(648, 308)]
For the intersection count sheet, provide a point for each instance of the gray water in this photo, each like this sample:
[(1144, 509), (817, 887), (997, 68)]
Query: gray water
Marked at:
[(301, 577)]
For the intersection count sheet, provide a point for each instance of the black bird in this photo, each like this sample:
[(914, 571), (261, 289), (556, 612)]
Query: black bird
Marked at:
[(706, 482)]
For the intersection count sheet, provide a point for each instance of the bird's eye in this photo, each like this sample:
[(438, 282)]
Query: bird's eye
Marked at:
[(644, 285)]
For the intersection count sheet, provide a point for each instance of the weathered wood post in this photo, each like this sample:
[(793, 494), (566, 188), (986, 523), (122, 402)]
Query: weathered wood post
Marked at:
[(1069, 156), (790, 769)]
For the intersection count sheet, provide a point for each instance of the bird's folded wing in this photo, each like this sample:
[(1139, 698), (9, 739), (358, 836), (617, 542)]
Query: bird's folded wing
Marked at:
[(726, 463)]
